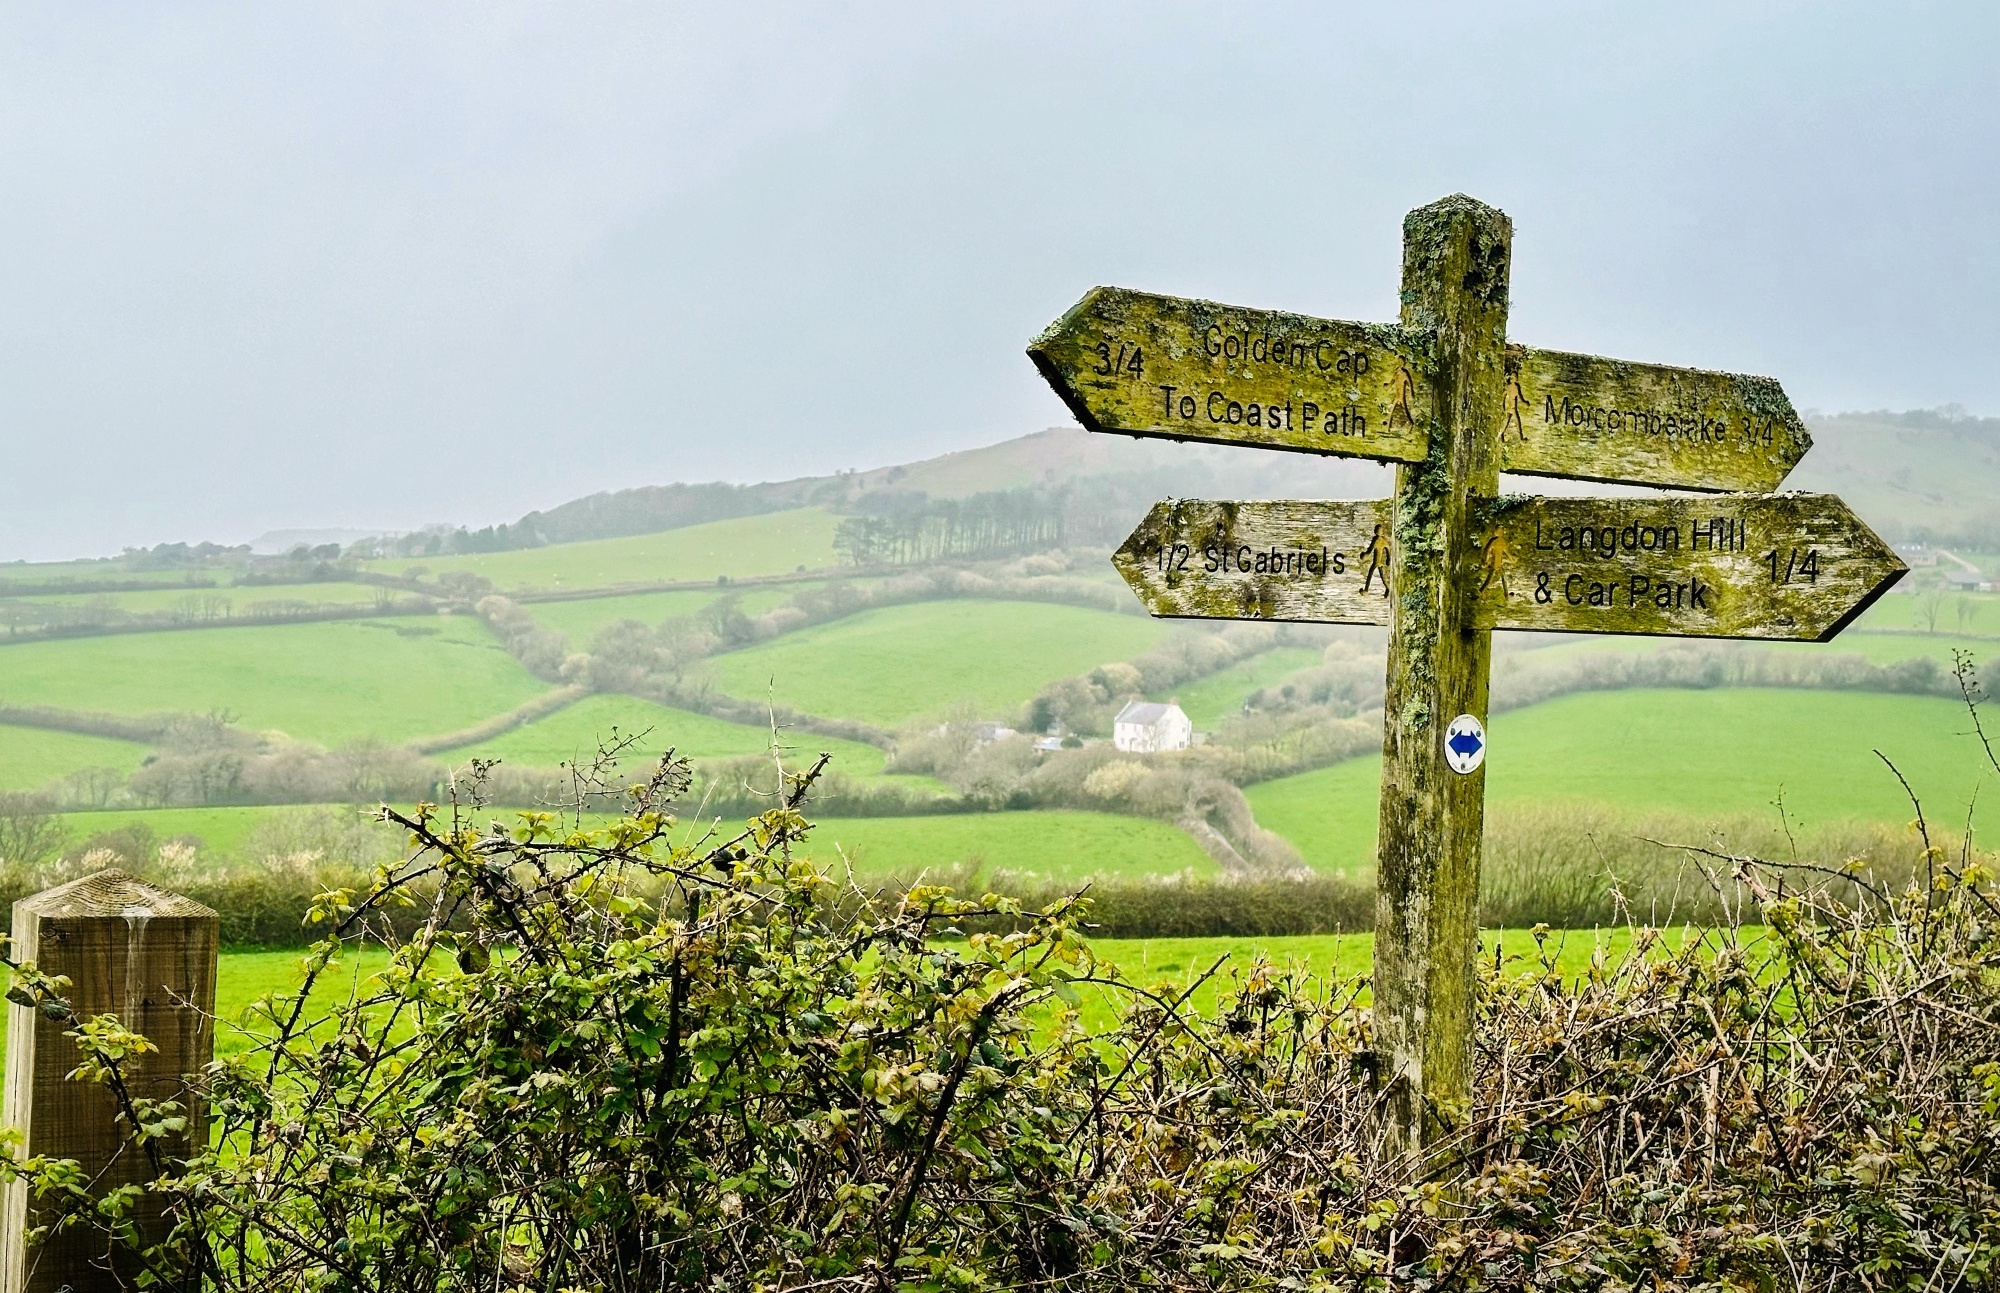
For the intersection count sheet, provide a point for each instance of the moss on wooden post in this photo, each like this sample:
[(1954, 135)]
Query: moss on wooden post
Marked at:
[(1456, 258), (148, 957)]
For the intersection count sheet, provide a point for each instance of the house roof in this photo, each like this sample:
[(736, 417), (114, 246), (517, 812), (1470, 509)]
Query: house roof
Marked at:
[(1146, 712)]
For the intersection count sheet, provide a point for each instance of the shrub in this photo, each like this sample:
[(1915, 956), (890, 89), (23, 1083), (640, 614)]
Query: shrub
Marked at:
[(605, 1061)]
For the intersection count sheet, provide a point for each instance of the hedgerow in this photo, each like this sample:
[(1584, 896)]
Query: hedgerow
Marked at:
[(603, 1059)]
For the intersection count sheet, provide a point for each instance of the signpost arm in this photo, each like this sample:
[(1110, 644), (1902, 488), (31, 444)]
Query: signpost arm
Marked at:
[(1456, 258)]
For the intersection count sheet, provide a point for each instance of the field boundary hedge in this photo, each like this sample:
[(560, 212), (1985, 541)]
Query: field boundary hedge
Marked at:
[(538, 707)]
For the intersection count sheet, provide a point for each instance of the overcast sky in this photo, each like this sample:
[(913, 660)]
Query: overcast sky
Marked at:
[(353, 265)]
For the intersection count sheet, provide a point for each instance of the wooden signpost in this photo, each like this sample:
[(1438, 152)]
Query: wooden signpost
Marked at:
[(1448, 559), (1784, 566)]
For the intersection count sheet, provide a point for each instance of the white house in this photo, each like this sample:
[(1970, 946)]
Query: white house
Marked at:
[(1146, 726)]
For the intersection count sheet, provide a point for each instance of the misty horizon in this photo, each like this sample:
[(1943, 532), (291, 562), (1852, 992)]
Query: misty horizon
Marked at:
[(375, 269)]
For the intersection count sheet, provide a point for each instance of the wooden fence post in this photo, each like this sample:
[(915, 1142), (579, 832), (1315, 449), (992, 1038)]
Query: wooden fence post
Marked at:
[(148, 957), (1456, 259)]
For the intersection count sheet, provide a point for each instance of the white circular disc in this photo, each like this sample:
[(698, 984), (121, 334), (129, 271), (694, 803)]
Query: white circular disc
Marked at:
[(1464, 744)]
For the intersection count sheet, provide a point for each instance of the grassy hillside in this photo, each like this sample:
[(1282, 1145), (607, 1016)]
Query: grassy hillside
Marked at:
[(574, 733), (891, 665), (1210, 700), (1720, 752), (31, 757), (1063, 845), (750, 545), (241, 599), (1896, 473), (49, 572), (583, 618), (1069, 454), (222, 831), (1068, 846), (1976, 614), (328, 682)]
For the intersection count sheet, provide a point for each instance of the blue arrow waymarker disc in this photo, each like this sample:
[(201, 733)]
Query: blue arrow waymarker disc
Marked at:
[(1464, 743)]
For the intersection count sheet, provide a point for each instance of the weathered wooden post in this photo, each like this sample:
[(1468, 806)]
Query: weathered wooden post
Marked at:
[(148, 957), (1456, 257), (1445, 396)]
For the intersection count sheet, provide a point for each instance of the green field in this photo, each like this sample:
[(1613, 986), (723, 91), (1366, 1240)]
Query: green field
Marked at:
[(243, 977), (574, 733), (1972, 613), (1174, 964), (1882, 645), (31, 757), (242, 600), (1885, 647), (97, 569), (1208, 701), (1722, 752), (222, 831), (773, 544), (1169, 964), (1064, 846), (582, 619), (327, 682), (891, 665)]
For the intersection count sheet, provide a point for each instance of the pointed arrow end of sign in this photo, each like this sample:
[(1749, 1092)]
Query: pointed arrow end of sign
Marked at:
[(1061, 338), (1790, 440), (1882, 562)]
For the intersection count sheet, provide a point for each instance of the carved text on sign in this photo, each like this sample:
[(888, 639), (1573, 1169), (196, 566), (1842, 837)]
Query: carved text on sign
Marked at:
[(1783, 566), (1147, 365), (1185, 369)]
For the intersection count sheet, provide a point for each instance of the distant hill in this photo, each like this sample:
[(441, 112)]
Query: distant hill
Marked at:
[(1931, 473), (1070, 456), (1928, 473), (1112, 479)]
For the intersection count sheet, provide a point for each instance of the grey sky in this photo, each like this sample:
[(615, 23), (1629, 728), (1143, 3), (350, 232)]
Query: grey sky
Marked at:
[(374, 265)]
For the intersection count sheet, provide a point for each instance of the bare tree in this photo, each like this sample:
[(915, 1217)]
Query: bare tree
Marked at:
[(1929, 603), (30, 834)]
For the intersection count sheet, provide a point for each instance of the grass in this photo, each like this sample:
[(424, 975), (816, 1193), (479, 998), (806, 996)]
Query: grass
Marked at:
[(1977, 613), (31, 757), (1208, 701), (773, 544), (891, 665), (243, 977), (1723, 752), (583, 618), (574, 733), (1887, 647), (1157, 963), (223, 831), (90, 568), (242, 599), (1063, 846), (1880, 645), (1068, 847), (1173, 964), (332, 682)]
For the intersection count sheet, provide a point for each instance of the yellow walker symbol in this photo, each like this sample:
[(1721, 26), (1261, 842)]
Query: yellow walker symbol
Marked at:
[(1446, 397)]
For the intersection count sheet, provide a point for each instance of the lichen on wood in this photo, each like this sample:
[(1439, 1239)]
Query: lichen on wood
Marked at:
[(1455, 269), (1795, 567), (1147, 365)]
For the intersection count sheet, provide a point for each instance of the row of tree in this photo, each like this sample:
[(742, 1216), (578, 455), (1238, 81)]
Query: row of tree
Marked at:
[(905, 528)]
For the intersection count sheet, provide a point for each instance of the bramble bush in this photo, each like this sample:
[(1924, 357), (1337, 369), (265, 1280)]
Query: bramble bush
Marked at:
[(615, 1059), (611, 1060)]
